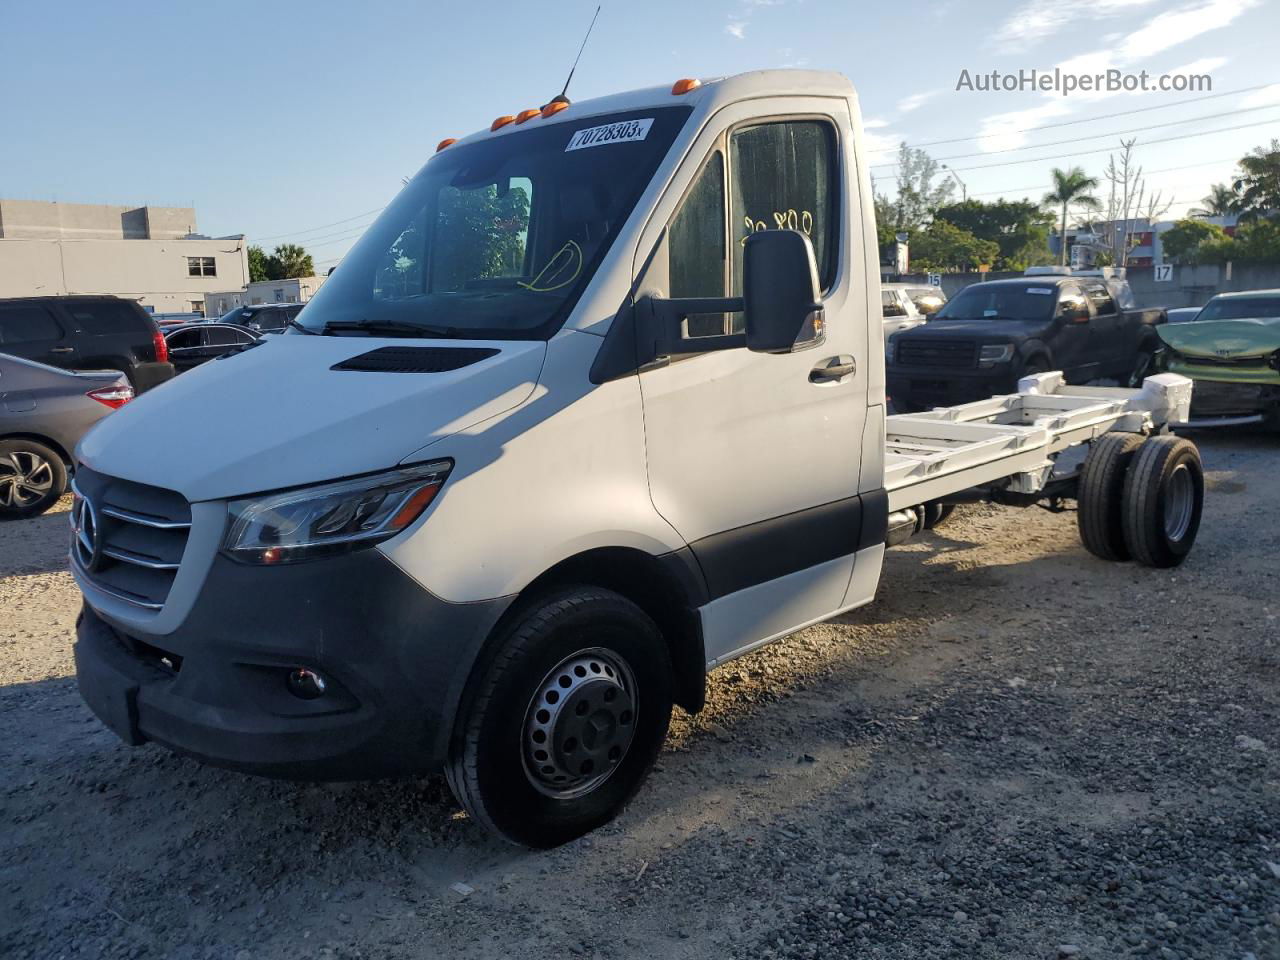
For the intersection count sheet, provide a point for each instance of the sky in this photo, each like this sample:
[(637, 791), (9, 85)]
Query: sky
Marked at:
[(293, 122)]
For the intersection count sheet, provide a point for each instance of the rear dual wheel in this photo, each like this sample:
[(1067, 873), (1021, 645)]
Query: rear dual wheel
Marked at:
[(564, 720), (1141, 499)]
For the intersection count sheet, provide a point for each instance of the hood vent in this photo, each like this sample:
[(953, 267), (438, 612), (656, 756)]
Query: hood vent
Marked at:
[(416, 359)]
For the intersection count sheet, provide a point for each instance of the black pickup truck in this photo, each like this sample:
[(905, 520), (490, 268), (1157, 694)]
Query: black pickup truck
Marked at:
[(990, 334)]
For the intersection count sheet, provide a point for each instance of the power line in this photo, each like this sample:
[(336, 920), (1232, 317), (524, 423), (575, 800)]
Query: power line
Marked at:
[(1102, 116), (1085, 153), (322, 226), (1047, 186), (1095, 136)]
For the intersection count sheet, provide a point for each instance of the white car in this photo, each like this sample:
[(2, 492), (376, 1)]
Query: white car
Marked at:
[(898, 309)]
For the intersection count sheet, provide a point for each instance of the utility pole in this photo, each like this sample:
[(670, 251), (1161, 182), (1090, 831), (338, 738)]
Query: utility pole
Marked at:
[(964, 190)]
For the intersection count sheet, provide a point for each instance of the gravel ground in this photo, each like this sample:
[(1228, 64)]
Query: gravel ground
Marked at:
[(1017, 751)]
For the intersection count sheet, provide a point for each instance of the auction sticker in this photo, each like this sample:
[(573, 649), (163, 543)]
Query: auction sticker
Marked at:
[(624, 131)]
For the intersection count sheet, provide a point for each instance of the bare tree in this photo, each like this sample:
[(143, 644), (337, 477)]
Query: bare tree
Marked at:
[(1128, 200)]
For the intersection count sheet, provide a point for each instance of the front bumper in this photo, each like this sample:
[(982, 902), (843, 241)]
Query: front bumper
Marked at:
[(1225, 397), (395, 659)]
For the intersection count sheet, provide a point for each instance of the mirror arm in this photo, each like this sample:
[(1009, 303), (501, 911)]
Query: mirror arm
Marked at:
[(662, 323)]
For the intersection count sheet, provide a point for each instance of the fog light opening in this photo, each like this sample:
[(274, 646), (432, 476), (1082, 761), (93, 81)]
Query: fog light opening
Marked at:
[(306, 684)]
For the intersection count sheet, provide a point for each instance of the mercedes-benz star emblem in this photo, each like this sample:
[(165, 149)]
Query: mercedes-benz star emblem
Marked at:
[(87, 541)]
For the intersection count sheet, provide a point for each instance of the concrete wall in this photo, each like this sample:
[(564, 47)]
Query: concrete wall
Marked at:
[(153, 272), (42, 220), (1190, 286)]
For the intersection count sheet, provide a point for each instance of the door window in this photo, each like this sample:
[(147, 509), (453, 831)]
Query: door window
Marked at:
[(184, 340), (24, 324), (1100, 297), (696, 258), (221, 336), (104, 317), (890, 307), (782, 177)]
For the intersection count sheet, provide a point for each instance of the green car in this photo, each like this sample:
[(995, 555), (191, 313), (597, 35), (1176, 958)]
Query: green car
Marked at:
[(1232, 352)]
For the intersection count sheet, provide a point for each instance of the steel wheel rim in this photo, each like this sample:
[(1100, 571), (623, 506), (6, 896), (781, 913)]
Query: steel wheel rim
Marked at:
[(579, 724), (1179, 503), (25, 478)]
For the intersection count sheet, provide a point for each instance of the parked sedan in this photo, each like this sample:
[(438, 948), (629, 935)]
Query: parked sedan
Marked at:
[(263, 317), (192, 344), (44, 411), (1232, 352)]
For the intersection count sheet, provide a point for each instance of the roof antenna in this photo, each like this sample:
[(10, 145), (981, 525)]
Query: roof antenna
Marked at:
[(560, 97)]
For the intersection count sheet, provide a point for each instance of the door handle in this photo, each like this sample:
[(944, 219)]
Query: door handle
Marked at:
[(833, 368), (62, 349)]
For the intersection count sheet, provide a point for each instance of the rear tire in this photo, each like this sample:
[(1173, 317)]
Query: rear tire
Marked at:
[(1100, 495), (564, 720), (32, 478), (1163, 501)]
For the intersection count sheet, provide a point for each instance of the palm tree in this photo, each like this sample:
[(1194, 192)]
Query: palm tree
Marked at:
[(1221, 201), (1071, 186)]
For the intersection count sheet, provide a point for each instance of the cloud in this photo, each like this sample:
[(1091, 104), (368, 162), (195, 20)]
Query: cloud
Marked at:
[(1170, 29), (1262, 98), (915, 101), (1159, 34), (1037, 19), (1000, 131), (736, 29)]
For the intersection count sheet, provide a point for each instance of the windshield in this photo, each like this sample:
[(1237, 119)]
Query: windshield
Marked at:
[(989, 301), (1240, 308), (497, 239)]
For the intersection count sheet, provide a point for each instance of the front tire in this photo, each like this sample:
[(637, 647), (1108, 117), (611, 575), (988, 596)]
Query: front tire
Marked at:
[(32, 478), (563, 721), (1163, 500)]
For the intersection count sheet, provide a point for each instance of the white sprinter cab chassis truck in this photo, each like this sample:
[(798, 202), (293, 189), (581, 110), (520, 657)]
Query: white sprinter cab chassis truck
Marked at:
[(596, 405)]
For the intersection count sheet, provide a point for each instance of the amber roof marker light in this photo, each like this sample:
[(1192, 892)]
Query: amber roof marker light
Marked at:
[(561, 100), (501, 122), (524, 115), (685, 85), (446, 142)]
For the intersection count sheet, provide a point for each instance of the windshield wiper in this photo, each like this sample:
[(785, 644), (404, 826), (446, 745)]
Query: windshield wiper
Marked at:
[(301, 328), (397, 328)]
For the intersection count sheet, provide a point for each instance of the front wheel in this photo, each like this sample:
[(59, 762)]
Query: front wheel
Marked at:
[(32, 478), (1143, 367), (564, 720)]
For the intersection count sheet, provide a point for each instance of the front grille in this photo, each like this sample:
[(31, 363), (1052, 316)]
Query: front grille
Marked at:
[(128, 538), (1241, 363), (932, 352)]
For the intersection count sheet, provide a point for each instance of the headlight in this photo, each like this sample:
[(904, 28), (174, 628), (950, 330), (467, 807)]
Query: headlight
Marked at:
[(331, 517), (993, 353)]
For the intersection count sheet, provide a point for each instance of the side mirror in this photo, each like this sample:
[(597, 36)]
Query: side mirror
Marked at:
[(1075, 313), (781, 306)]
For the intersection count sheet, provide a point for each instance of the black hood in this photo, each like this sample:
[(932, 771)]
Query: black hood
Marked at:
[(1002, 331)]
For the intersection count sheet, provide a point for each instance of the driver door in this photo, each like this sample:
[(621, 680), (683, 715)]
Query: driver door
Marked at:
[(754, 458)]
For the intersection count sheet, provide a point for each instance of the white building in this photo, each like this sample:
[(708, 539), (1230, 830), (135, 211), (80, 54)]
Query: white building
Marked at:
[(148, 254), (295, 290)]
